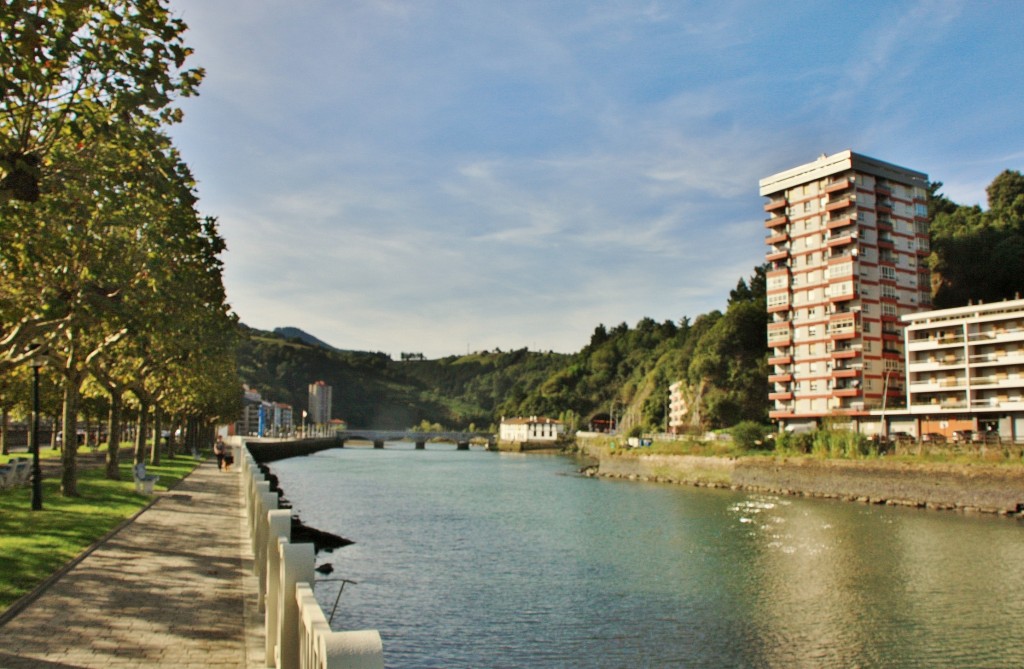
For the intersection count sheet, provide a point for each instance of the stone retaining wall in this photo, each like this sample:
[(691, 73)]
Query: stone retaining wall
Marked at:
[(971, 487)]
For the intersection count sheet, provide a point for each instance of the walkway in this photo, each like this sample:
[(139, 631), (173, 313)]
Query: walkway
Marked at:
[(174, 587)]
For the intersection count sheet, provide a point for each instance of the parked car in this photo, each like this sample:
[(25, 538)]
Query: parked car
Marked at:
[(901, 437), (933, 437), (962, 436)]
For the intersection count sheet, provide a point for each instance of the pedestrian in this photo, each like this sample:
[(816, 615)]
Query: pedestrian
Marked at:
[(218, 450)]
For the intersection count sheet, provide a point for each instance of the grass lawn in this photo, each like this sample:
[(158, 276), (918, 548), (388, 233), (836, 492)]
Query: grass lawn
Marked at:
[(35, 544)]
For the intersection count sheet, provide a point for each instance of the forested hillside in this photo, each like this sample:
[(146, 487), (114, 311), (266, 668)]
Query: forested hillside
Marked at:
[(626, 370)]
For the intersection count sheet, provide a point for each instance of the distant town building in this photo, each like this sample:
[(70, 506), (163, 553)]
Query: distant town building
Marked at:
[(847, 238), (319, 403), (535, 429), (262, 418)]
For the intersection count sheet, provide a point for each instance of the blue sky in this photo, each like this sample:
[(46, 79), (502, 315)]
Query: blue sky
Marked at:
[(437, 176)]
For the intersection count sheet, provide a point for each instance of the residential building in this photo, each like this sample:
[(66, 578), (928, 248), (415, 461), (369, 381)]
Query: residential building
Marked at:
[(532, 430), (677, 408), (319, 403), (847, 238), (965, 368)]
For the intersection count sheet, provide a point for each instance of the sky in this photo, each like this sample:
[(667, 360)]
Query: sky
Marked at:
[(447, 176)]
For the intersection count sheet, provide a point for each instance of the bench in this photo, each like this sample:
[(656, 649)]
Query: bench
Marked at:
[(143, 482), (15, 472)]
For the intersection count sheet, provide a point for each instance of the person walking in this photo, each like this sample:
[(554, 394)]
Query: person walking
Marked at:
[(219, 450)]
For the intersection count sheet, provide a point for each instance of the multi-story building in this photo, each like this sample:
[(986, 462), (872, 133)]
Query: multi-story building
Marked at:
[(965, 368), (847, 235), (677, 408), (319, 403)]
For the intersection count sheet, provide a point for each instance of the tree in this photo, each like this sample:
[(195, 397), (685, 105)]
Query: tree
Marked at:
[(76, 71), (979, 255)]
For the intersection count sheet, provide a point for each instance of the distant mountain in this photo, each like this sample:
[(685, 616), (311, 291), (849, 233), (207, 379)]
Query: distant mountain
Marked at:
[(303, 336)]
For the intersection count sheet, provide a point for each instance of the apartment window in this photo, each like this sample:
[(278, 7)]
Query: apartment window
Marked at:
[(888, 272), (888, 309), (807, 206), (888, 291)]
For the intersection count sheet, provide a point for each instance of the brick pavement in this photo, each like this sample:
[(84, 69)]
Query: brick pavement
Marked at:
[(174, 587)]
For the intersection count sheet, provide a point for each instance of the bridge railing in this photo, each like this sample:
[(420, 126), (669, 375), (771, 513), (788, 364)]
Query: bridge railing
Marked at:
[(298, 634)]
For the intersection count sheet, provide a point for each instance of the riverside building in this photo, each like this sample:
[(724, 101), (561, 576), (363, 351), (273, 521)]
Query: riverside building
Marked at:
[(847, 236), (965, 369)]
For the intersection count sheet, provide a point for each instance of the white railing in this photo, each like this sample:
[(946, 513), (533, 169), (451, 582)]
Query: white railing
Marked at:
[(298, 634)]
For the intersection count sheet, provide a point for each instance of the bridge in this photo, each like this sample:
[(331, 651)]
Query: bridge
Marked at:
[(379, 437), (271, 449)]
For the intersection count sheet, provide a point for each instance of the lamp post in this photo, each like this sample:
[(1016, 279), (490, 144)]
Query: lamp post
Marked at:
[(37, 472)]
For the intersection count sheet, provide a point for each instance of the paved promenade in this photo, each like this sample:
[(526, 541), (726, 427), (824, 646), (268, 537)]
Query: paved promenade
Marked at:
[(173, 588)]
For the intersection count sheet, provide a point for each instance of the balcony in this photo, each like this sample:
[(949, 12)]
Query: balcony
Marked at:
[(841, 221), (842, 240), (781, 360), (776, 255), (776, 221), (783, 396), (845, 373), (775, 205), (845, 353), (847, 392), (838, 185), (843, 203), (777, 238), (780, 378)]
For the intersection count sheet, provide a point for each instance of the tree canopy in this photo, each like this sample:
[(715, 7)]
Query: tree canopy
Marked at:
[(978, 255)]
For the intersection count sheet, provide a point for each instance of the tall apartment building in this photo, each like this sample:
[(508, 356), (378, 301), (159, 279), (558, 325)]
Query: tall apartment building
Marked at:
[(847, 236), (319, 403)]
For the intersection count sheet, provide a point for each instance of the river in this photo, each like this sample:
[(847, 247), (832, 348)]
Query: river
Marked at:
[(480, 559)]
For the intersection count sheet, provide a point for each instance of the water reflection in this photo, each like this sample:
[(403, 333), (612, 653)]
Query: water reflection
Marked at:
[(843, 585)]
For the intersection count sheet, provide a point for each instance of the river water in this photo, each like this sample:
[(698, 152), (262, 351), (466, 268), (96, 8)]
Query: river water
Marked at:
[(479, 559)]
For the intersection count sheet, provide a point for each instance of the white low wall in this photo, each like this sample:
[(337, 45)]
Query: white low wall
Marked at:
[(298, 634)]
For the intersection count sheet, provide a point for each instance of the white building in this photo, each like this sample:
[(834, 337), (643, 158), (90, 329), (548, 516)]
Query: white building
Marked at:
[(533, 430), (677, 408), (965, 368)]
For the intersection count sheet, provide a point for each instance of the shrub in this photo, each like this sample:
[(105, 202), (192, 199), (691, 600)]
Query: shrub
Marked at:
[(750, 435)]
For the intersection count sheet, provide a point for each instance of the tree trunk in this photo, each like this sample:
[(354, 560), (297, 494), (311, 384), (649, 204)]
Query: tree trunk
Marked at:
[(69, 444), (192, 435), (140, 433), (154, 458), (114, 438), (3, 431)]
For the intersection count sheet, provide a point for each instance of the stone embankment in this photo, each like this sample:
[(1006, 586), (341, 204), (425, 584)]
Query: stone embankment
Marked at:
[(985, 488)]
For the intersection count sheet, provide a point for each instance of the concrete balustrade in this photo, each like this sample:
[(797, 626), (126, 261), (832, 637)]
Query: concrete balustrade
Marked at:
[(320, 647), (298, 634)]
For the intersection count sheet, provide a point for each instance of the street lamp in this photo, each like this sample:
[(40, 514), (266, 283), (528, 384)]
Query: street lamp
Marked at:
[(37, 472)]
